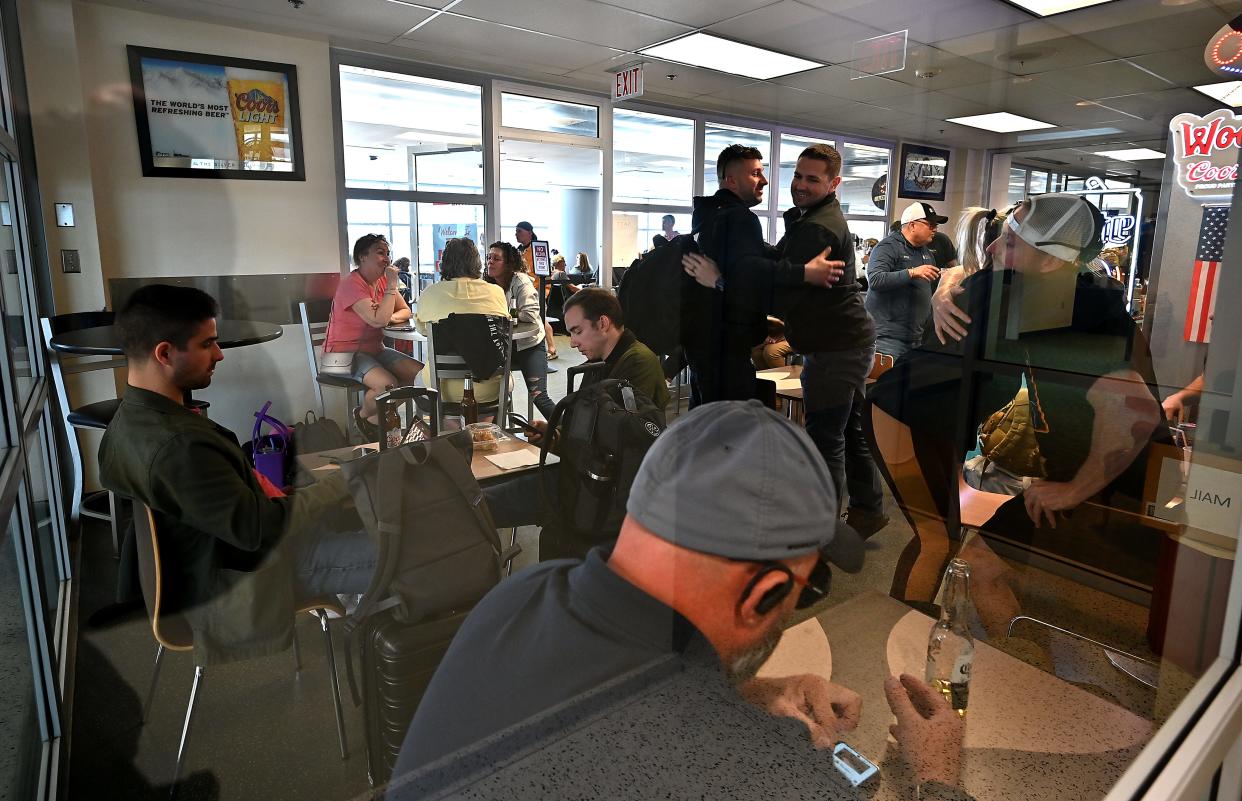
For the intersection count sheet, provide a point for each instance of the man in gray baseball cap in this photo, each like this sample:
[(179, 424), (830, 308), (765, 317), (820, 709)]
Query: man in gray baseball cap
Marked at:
[(731, 526)]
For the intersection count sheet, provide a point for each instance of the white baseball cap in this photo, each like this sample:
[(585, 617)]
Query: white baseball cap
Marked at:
[(922, 211)]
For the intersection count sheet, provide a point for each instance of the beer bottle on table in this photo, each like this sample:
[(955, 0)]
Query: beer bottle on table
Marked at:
[(469, 407), (951, 647), (393, 435)]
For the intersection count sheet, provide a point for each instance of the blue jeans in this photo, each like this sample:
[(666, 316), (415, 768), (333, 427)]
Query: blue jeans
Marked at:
[(328, 562), (893, 346), (533, 362), (832, 385)]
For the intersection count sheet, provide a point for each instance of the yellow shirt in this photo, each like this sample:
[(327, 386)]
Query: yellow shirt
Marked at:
[(460, 296)]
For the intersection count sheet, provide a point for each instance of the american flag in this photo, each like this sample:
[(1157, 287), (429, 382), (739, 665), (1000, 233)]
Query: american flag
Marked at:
[(1207, 273)]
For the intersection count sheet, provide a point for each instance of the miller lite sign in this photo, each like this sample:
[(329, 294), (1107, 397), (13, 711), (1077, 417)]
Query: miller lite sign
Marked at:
[(1205, 152)]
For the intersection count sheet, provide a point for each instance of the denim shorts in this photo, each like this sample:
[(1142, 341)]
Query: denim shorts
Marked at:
[(386, 358)]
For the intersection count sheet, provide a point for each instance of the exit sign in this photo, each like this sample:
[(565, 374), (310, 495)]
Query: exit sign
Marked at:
[(627, 83)]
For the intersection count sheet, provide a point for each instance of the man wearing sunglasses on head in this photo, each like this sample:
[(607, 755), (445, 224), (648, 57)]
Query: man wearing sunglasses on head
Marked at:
[(713, 558)]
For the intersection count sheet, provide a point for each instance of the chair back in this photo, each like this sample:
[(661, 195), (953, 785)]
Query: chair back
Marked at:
[(882, 364), (444, 360), (171, 630)]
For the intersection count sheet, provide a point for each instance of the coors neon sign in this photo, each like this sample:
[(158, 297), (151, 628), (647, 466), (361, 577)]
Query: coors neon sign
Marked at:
[(1205, 152)]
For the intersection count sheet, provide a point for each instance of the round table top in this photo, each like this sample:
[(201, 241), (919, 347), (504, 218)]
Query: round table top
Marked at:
[(521, 331), (103, 340)]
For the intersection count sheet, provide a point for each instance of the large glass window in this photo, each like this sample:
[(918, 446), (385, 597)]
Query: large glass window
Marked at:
[(416, 231), (13, 289), (544, 114), (652, 158), (718, 136), (863, 166), (556, 188), (405, 132), (634, 232), (21, 735)]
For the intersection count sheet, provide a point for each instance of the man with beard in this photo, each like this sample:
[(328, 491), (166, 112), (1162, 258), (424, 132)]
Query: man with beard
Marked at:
[(711, 562), (238, 558)]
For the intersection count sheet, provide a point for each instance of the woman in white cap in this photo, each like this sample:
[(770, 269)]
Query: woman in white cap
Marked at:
[(1037, 325)]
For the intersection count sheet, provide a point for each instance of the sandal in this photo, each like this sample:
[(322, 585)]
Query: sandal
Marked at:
[(552, 355)]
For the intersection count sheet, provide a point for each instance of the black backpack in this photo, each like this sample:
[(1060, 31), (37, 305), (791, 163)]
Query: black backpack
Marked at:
[(659, 299), (605, 429)]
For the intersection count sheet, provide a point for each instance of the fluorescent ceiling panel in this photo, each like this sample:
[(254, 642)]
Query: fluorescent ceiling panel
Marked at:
[(1001, 122), (1228, 92), (1046, 8), (724, 55), (1131, 154)]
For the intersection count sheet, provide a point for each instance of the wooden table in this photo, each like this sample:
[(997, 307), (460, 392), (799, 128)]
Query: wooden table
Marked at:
[(1029, 734), (788, 389), (484, 471)]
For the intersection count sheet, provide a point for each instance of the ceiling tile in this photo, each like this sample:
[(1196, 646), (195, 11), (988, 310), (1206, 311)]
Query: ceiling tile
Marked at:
[(775, 97), (1015, 95), (583, 20), (946, 69), (1108, 79), (840, 82), (485, 41), (1187, 27), (367, 19), (796, 28), (1165, 105), (1183, 67), (929, 21), (696, 13), (936, 105)]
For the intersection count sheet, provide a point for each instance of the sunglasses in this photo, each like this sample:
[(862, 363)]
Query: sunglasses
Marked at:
[(815, 586)]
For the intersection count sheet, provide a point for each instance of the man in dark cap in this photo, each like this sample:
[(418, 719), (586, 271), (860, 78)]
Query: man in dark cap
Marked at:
[(708, 568)]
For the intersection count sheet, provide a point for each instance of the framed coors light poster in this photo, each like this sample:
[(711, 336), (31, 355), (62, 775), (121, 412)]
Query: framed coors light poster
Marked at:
[(203, 116)]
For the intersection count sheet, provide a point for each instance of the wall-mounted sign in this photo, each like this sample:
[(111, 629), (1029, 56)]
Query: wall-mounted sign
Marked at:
[(923, 172), (204, 116), (1118, 230), (627, 83), (1205, 151), (1223, 54), (879, 192)]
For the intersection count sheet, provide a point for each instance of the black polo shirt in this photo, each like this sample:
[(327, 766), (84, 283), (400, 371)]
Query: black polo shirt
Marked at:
[(542, 637)]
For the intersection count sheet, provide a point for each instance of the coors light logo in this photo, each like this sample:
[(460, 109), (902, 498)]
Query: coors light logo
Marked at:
[(1205, 150), (255, 107)]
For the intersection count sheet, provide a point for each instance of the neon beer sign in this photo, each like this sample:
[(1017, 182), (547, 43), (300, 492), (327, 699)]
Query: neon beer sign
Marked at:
[(1205, 152)]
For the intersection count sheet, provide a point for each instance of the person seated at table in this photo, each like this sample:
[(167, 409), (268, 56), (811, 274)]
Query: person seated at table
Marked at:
[(367, 300), (239, 558), (558, 268), (775, 348), (709, 567), (506, 268), (597, 330), (461, 290)]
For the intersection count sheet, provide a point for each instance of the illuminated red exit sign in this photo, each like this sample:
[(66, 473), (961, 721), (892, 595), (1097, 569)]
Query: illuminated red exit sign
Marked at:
[(627, 83)]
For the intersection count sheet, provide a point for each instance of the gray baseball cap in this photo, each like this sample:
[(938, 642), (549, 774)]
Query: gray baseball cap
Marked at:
[(736, 479)]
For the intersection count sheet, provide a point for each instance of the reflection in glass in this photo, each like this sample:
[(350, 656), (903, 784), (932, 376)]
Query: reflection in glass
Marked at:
[(556, 188), (21, 734), (633, 232), (48, 544), (544, 114), (404, 132), (652, 158), (863, 165), (13, 287)]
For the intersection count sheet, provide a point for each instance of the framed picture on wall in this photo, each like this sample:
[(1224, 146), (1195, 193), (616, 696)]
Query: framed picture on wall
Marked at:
[(923, 172), (204, 116)]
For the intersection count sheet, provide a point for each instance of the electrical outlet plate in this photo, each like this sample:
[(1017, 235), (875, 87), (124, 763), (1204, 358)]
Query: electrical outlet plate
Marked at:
[(64, 215), (70, 262)]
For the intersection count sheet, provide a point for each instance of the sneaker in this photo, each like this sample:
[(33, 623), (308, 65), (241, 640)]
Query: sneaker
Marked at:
[(864, 522), (368, 430)]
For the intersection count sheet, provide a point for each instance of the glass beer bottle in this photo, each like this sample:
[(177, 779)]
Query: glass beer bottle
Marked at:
[(469, 407), (951, 647), (393, 435)]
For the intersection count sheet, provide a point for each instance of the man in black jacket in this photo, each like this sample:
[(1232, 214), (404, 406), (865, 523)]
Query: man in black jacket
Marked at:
[(832, 329), (742, 272)]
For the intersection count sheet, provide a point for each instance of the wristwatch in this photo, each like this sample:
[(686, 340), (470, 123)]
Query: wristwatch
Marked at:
[(719, 287)]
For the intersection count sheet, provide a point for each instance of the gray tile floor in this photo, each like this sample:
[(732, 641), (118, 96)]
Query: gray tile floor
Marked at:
[(264, 731)]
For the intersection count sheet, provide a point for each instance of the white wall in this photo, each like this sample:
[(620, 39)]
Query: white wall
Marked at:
[(155, 227)]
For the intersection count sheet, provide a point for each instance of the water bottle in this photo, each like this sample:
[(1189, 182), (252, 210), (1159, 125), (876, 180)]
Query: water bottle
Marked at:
[(950, 647)]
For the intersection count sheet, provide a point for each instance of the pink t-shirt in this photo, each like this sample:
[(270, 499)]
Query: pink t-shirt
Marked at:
[(347, 331)]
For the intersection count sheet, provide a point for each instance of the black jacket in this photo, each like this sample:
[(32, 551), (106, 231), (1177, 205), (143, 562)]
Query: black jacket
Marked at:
[(730, 234), (819, 319)]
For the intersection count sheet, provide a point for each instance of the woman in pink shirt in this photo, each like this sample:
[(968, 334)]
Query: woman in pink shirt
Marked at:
[(366, 301)]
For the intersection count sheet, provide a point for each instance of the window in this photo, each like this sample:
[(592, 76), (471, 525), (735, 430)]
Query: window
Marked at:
[(21, 734), (863, 166), (553, 116), (717, 137), (13, 291), (633, 233), (404, 132), (652, 159)]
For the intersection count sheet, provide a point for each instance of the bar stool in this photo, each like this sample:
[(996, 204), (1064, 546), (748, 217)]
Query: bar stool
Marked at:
[(95, 416)]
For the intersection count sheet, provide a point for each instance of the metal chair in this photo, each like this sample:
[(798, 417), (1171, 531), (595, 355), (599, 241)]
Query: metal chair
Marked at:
[(314, 315), (173, 633), (95, 416), (444, 362)]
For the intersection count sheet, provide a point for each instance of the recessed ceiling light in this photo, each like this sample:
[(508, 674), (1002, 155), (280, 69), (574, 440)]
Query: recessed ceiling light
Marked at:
[(1046, 8), (1001, 122), (1132, 154), (724, 55), (1228, 92)]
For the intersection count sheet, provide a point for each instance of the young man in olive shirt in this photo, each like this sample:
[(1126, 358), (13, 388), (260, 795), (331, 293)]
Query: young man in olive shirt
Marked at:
[(236, 561)]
